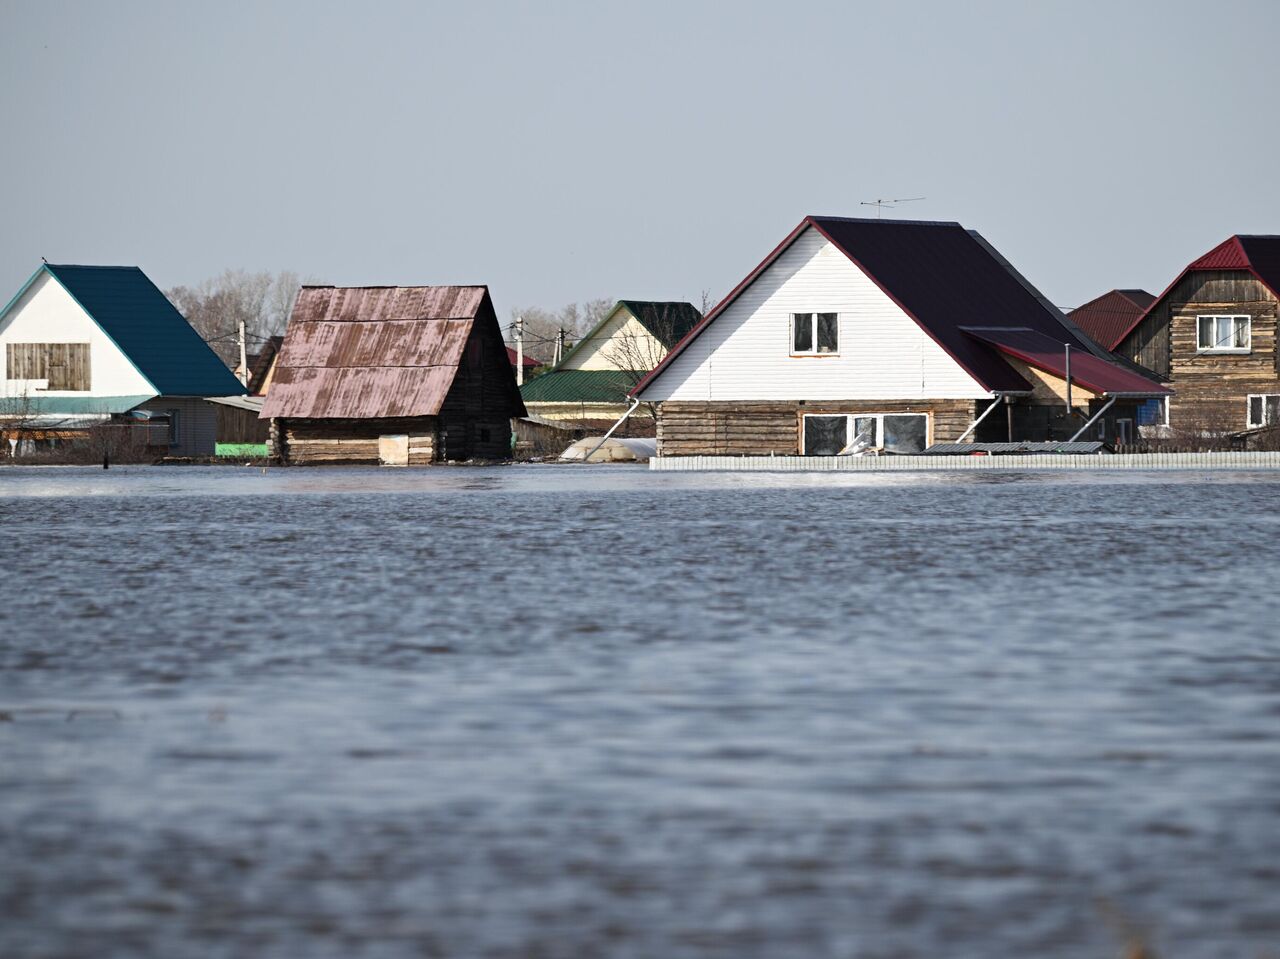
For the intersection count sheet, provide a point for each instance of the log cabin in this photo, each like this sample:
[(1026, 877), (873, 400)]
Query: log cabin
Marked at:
[(82, 345), (1211, 336), (398, 375), (859, 335)]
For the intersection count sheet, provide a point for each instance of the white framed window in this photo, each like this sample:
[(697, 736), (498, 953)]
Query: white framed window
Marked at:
[(829, 434), (1264, 409), (1124, 432), (1223, 333), (815, 334)]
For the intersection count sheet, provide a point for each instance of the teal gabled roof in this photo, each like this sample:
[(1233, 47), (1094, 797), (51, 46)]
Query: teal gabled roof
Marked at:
[(148, 329)]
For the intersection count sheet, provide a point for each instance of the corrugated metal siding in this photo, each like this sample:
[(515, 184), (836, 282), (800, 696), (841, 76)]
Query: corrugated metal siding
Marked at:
[(745, 353)]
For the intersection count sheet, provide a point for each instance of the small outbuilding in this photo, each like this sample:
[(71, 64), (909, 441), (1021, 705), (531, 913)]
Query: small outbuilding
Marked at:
[(399, 375)]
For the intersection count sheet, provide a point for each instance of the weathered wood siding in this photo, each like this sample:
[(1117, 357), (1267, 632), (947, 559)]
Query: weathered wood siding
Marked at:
[(765, 427), (235, 425), (64, 365), (475, 420), (1210, 389), (745, 355), (351, 441)]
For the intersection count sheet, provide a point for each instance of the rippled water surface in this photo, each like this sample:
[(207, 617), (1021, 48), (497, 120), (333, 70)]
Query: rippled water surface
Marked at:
[(544, 711)]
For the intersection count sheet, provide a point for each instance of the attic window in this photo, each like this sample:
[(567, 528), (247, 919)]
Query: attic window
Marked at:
[(815, 334), (1222, 334)]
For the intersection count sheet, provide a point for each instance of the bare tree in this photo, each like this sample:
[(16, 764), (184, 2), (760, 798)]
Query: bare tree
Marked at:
[(217, 306), (542, 327)]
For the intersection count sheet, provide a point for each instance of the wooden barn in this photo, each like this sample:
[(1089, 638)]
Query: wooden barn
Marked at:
[(886, 336), (399, 375), (1212, 337)]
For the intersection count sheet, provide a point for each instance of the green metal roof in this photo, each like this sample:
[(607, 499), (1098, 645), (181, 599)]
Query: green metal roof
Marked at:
[(148, 329), (39, 405), (580, 386)]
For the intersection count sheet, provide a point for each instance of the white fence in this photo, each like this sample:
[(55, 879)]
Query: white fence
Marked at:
[(1049, 461)]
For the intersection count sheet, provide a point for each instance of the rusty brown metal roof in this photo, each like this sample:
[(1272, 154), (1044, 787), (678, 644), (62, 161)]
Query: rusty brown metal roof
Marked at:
[(370, 352)]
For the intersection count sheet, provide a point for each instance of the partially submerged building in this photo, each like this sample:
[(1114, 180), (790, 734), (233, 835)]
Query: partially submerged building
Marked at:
[(885, 335), (1211, 335), (402, 375), (85, 344), (590, 386)]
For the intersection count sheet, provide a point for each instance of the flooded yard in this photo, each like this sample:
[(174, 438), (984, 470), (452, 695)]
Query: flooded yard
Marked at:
[(594, 711)]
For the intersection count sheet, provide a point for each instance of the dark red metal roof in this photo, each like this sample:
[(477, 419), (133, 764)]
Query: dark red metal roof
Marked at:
[(1257, 253), (1049, 354), (370, 352), (944, 276), (1107, 317), (529, 361)]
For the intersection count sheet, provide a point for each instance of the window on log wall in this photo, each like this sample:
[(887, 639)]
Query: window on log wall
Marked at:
[(64, 365)]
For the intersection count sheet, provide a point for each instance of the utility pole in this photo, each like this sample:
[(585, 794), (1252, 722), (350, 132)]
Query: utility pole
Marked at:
[(1068, 366), (244, 362), (560, 344), (519, 351)]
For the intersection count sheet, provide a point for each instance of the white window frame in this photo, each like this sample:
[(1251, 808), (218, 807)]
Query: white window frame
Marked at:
[(1238, 350), (812, 317), (1248, 410), (878, 417)]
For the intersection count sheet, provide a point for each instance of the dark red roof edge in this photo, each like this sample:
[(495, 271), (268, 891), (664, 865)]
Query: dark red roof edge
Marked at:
[(1031, 360), (764, 265), (1192, 268), (719, 308)]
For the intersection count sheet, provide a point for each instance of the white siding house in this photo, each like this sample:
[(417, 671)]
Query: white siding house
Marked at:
[(877, 336), (80, 345)]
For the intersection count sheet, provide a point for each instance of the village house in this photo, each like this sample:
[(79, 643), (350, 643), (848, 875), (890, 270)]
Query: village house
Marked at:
[(84, 344), (240, 428), (1212, 337), (885, 335), (590, 386), (399, 375)]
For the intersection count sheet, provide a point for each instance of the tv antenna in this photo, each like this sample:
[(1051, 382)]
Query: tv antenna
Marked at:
[(881, 204)]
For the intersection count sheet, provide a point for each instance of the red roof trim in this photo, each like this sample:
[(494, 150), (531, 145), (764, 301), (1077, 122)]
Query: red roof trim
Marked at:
[(720, 308), (1193, 267), (1033, 360)]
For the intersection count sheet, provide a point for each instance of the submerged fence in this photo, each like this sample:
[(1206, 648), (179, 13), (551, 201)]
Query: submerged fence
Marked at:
[(1043, 461)]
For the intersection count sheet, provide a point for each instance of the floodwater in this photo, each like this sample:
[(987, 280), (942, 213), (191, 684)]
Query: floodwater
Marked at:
[(593, 711)]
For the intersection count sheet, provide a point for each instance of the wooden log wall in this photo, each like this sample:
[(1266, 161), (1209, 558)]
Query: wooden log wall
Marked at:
[(764, 428), (351, 441)]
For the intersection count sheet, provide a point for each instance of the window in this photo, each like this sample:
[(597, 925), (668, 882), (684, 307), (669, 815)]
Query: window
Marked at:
[(63, 366), (1124, 432), (815, 334), (175, 432), (827, 434), (1154, 412), (1264, 409), (1222, 334)]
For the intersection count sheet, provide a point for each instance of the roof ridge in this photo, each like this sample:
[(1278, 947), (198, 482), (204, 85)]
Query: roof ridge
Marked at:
[(394, 286), (888, 222)]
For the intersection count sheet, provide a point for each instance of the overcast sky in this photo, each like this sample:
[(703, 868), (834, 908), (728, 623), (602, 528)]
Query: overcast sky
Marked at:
[(560, 152)]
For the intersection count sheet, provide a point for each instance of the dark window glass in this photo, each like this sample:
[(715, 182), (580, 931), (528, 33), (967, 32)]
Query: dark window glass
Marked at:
[(828, 333), (1255, 411), (906, 433), (1273, 410), (825, 435), (802, 323)]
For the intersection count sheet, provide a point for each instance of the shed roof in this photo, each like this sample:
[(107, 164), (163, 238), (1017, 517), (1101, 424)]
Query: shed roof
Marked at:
[(1107, 317), (131, 310), (372, 352), (944, 277), (1258, 254), (1048, 354)]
